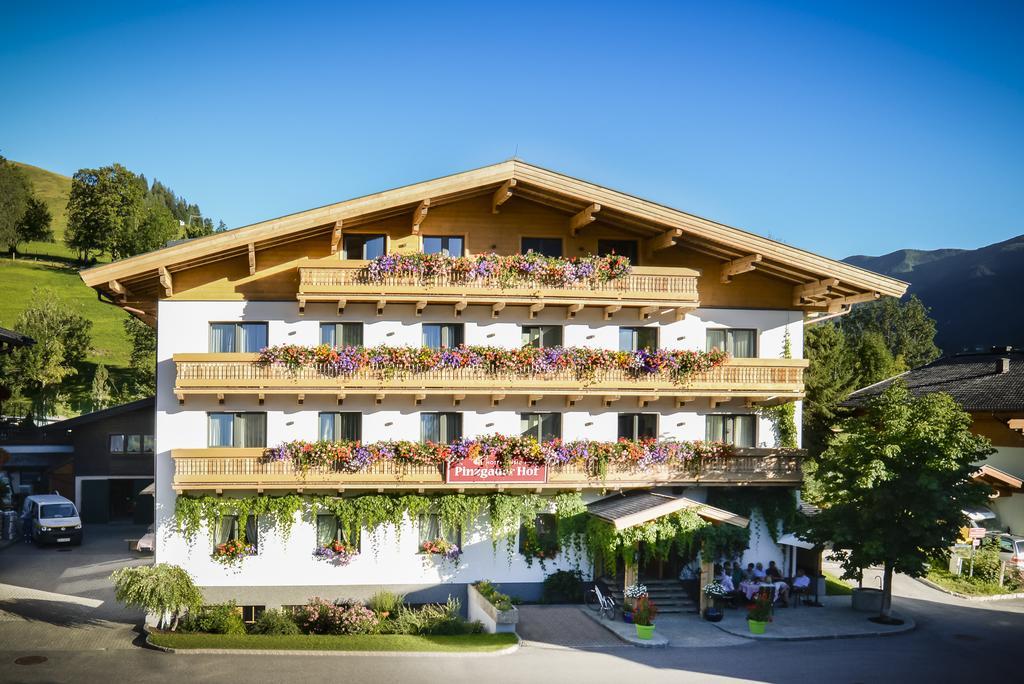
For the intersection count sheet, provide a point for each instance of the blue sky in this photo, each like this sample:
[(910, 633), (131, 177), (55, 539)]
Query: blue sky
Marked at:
[(840, 128)]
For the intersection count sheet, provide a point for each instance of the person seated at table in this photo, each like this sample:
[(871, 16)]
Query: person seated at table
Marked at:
[(801, 584), (725, 578), (773, 572), (759, 574), (737, 574), (749, 574)]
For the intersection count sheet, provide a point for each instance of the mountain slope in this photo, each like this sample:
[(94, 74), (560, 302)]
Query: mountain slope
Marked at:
[(973, 294)]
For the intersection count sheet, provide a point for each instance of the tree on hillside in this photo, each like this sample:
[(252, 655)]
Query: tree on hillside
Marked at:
[(105, 206), (156, 225), (102, 394), (906, 328), (63, 338), (895, 481), (14, 194), (190, 216), (143, 356), (35, 224)]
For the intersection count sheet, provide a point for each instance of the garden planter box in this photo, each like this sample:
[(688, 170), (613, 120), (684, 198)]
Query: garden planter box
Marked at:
[(867, 600), (493, 620)]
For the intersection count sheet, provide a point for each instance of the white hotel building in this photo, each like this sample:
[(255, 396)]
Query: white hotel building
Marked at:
[(299, 280)]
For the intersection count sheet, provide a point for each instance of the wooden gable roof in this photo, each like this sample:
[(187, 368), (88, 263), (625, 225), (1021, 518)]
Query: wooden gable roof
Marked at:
[(137, 282)]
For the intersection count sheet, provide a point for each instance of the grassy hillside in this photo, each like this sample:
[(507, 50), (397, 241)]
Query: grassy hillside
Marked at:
[(53, 189)]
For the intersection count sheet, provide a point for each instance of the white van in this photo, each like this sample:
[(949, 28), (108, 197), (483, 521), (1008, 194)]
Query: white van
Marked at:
[(50, 518)]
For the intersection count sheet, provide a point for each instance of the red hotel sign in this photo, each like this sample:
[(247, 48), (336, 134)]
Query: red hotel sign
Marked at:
[(486, 469)]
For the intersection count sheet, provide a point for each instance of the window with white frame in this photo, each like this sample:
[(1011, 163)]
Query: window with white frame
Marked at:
[(341, 426), (442, 428), (634, 339), (341, 334), (227, 338), (542, 336), (541, 426), (638, 425), (442, 335), (740, 343), (738, 430), (239, 430)]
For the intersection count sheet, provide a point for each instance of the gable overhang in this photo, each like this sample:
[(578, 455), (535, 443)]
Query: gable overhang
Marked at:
[(820, 284), (643, 507)]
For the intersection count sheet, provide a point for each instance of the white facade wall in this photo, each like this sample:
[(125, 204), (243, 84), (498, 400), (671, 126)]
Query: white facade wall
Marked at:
[(184, 327)]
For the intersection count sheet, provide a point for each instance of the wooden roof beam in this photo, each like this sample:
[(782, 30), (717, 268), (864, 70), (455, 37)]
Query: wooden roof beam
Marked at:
[(663, 241), (165, 281), (572, 310), (835, 305), (502, 194), (419, 214), (252, 258), (119, 289), (336, 237), (1015, 424), (815, 288), (496, 309), (737, 266), (583, 218)]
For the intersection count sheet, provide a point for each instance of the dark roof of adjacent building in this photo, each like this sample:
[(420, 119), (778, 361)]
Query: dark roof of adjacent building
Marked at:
[(85, 418), (11, 338), (978, 381)]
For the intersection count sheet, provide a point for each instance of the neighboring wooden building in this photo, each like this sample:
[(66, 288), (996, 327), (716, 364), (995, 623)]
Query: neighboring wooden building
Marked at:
[(990, 386), (305, 280), (101, 460)]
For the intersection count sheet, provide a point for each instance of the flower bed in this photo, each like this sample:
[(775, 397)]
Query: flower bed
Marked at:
[(507, 270), (336, 552), (584, 362), (594, 456)]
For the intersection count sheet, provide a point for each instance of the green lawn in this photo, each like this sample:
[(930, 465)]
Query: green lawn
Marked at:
[(965, 585), (836, 587), (353, 642)]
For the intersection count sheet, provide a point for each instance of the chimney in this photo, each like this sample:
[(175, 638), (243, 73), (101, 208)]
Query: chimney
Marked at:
[(1003, 365)]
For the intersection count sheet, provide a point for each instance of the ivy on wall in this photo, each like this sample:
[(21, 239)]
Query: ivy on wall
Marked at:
[(783, 416), (777, 505)]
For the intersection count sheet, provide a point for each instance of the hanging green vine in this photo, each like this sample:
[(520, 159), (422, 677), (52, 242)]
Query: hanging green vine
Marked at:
[(571, 521), (783, 416), (607, 545), (508, 513), (776, 504)]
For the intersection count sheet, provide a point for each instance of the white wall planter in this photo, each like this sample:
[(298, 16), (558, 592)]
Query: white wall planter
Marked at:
[(867, 600), (493, 620)]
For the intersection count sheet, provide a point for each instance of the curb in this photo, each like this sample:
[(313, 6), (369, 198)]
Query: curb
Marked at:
[(291, 652), (908, 625), (967, 597), (657, 642)]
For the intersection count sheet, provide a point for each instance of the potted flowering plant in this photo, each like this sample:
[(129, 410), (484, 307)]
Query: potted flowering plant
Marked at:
[(715, 591), (632, 593), (232, 551), (760, 615), (644, 613), (336, 552)]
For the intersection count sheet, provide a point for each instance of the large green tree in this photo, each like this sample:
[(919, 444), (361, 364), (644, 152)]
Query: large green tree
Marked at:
[(895, 480), (63, 338), (105, 208), (143, 356), (905, 326)]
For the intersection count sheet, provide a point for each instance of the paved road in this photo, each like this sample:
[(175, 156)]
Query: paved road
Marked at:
[(955, 641)]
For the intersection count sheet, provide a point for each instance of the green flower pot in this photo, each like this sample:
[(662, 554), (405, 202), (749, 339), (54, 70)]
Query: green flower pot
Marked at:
[(644, 631), (756, 626)]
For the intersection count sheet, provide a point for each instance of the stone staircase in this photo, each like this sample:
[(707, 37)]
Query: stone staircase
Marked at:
[(667, 594)]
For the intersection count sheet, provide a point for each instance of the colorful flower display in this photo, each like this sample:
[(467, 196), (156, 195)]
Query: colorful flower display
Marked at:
[(336, 552), (592, 455), (441, 547), (232, 551), (583, 362), (507, 270)]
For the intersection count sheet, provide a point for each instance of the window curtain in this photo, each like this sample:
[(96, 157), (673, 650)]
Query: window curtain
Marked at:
[(253, 337), (221, 429), (351, 334), (716, 428), (716, 340), (327, 334), (326, 529), (226, 530), (429, 527), (450, 427), (743, 344), (541, 426), (222, 338), (432, 336), (647, 338), (430, 427), (327, 427), (251, 429), (252, 531), (743, 431)]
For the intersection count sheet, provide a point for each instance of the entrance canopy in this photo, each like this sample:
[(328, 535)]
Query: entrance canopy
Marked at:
[(635, 508)]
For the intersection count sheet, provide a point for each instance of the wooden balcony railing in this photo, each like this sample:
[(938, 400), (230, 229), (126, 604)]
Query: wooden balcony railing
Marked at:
[(644, 286), (240, 374), (216, 469)]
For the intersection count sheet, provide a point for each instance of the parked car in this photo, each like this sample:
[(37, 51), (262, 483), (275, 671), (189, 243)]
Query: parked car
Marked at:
[(50, 518), (1011, 550)]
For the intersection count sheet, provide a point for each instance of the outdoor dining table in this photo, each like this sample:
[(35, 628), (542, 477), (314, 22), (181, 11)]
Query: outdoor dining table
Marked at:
[(750, 589)]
